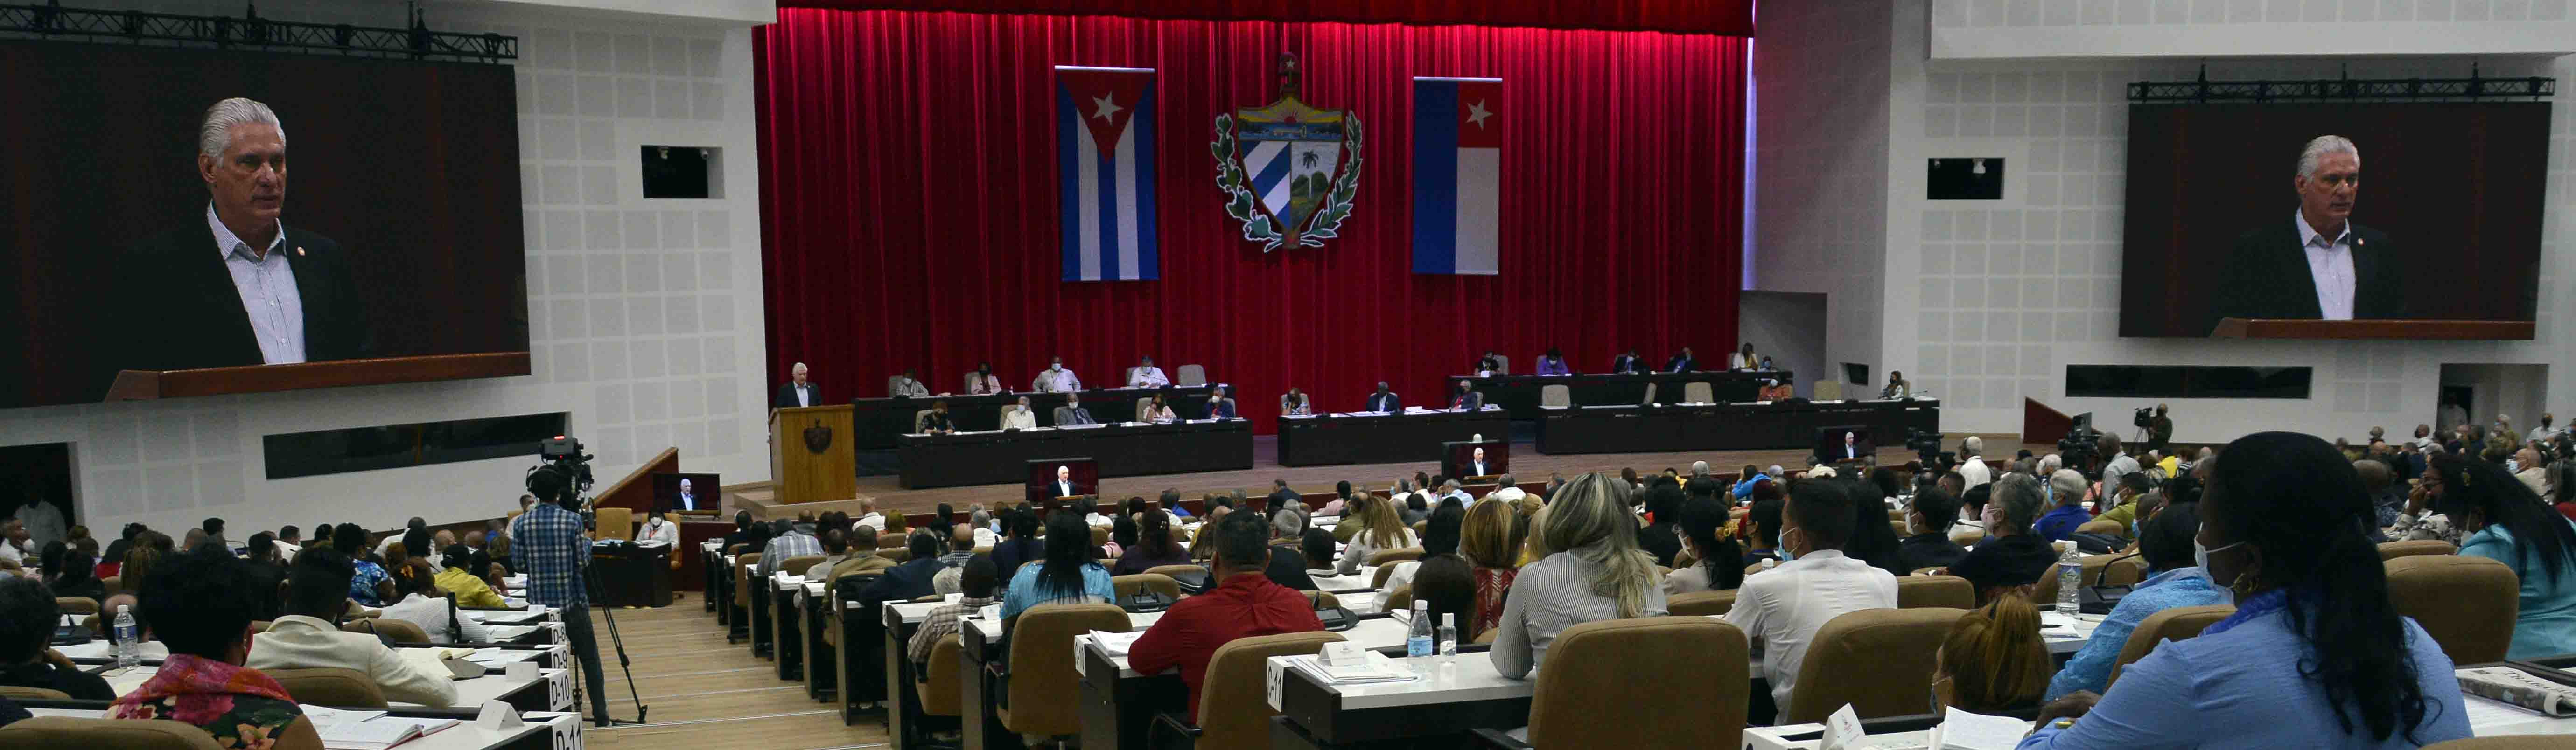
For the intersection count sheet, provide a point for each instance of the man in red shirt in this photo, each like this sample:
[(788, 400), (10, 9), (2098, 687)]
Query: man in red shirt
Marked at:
[(1244, 603)]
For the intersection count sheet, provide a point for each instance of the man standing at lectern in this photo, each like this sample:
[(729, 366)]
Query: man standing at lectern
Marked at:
[(271, 294), (798, 391), (2319, 265), (1064, 482), (1476, 464)]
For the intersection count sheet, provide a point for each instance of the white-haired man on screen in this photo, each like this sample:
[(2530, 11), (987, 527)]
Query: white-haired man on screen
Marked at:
[(798, 391), (292, 298), (2317, 264), (1064, 482), (688, 498)]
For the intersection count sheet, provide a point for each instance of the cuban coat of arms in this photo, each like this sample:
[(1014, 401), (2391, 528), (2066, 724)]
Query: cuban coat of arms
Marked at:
[(1288, 170)]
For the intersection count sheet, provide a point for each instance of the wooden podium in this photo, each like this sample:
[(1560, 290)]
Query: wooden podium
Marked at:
[(147, 385), (2275, 328), (810, 454)]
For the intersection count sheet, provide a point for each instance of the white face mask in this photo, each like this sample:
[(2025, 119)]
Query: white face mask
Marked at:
[(2200, 554)]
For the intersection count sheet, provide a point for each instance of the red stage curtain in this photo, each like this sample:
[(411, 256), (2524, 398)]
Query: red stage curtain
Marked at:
[(908, 204), (1679, 16)]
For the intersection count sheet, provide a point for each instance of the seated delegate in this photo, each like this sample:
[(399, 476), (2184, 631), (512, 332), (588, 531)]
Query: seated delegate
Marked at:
[(195, 607), (2165, 540)]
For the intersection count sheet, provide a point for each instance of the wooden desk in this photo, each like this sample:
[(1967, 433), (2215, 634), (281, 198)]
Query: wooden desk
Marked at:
[(1448, 700), (814, 614), (1118, 450), (786, 639), (1519, 394), (1736, 426), (878, 420), (147, 385)]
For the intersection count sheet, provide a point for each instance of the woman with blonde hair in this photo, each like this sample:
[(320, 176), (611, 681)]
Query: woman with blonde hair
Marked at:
[(1486, 541), (1380, 530), (1598, 574), (1993, 660)]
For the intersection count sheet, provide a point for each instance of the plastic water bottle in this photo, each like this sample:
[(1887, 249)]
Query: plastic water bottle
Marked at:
[(1449, 638), (128, 653), (2070, 577), (1419, 643)]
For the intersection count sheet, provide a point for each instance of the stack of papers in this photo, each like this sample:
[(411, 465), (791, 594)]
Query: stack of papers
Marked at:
[(351, 729), (1116, 643), (1969, 731), (1373, 669), (2516, 687)]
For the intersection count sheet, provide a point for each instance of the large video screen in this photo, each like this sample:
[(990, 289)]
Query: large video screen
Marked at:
[(2420, 211), (398, 235)]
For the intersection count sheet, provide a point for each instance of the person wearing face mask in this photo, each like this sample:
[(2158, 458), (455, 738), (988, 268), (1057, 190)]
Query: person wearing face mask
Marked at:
[(660, 529), (2011, 556), (2315, 655), (1782, 608), (2174, 580), (1056, 378), (981, 382)]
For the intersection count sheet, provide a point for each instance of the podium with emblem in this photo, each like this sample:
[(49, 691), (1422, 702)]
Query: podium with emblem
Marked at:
[(810, 458)]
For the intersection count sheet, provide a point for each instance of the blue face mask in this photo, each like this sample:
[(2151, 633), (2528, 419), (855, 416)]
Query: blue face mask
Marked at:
[(1782, 551)]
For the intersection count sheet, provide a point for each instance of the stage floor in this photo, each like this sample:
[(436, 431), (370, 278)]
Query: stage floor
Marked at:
[(1528, 466)]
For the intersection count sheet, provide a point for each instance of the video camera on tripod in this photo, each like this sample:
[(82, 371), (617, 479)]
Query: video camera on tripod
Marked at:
[(2082, 446), (1926, 445)]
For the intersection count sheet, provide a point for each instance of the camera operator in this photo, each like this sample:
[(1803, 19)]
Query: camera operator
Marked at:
[(2159, 431), (551, 550)]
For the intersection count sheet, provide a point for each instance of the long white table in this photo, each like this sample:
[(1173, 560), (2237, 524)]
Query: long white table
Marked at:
[(553, 731), (550, 691)]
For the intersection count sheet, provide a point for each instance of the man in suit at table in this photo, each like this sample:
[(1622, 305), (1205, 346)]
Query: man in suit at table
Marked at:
[(1055, 378), (1063, 486), (1019, 417), (2319, 265), (1681, 361), (798, 391), (1218, 406), (1146, 375), (1384, 400), (1628, 363), (1467, 398), (1072, 413), (272, 294)]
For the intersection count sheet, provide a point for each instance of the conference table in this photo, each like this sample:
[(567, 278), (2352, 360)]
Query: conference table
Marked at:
[(1519, 394), (1727, 426), (1376, 437), (878, 421), (1119, 450)]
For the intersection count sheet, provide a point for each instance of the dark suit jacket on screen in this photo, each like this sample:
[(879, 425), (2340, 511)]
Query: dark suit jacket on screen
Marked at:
[(786, 398), (183, 313), (2266, 276)]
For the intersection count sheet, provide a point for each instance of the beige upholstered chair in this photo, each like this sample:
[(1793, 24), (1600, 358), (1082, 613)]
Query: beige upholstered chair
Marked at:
[(1698, 392), (1128, 585), (402, 631), (1593, 673), (1190, 375), (2467, 603), (16, 693), (1877, 660), (1702, 603), (76, 605), (1176, 571), (67, 733), (1502, 364), (917, 415), (2096, 568), (2387, 550), (1650, 394), (329, 686), (1042, 665), (1237, 679), (1935, 591), (614, 523), (1322, 599), (2176, 624), (944, 693), (1555, 395), (1140, 408), (2102, 527), (1829, 390), (1383, 558), (1400, 599)]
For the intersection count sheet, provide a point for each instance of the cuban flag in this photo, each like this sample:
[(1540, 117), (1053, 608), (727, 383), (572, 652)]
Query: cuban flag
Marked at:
[(1105, 166), (1457, 175)]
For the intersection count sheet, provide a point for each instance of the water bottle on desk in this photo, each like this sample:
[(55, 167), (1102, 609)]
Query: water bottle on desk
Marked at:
[(1419, 643), (1449, 638), (2070, 577), (128, 653)]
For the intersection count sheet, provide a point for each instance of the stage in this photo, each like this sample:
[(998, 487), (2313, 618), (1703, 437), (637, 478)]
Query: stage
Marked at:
[(1528, 466)]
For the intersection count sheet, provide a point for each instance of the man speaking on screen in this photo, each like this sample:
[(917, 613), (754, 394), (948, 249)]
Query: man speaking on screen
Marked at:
[(2318, 265), (237, 286)]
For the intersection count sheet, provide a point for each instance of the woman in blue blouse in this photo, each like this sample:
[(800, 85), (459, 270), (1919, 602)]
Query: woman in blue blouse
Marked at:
[(1069, 575), (2315, 655), (2165, 540), (2505, 522)]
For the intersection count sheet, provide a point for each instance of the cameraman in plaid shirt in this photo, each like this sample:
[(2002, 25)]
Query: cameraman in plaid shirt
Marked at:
[(551, 550)]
